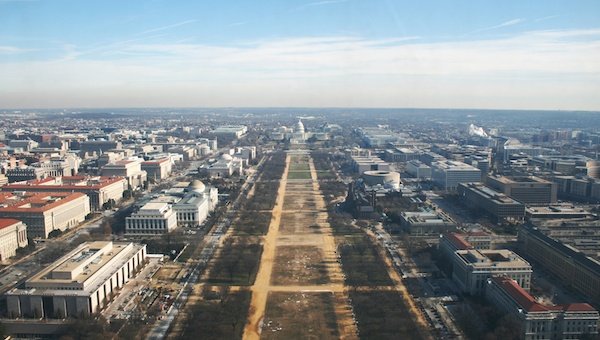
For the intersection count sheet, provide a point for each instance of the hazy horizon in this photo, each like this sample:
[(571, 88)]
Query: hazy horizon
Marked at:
[(336, 53)]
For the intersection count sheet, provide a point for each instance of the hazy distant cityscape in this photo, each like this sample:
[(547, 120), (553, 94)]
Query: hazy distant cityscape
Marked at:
[(300, 223), (299, 169)]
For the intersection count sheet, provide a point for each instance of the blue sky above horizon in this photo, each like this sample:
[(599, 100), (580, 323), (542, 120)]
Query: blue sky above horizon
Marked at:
[(345, 53)]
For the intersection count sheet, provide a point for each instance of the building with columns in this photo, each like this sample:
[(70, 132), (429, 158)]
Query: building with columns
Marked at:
[(78, 284), (153, 218)]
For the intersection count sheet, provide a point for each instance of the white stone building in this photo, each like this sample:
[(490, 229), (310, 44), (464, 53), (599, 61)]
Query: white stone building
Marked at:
[(45, 212), (13, 235), (196, 205), (471, 268), (448, 174), (130, 169), (78, 284), (152, 219), (539, 321)]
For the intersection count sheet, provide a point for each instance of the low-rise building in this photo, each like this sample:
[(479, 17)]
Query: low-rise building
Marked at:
[(571, 266), (25, 173), (45, 212), (471, 268), (157, 169), (539, 321), (528, 190), (451, 242), (371, 163), (424, 223), (98, 146), (130, 169), (235, 131), (153, 218), (13, 235), (479, 197), (99, 189), (78, 284)]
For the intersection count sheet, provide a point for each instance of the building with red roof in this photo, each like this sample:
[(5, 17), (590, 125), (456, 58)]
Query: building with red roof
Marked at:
[(44, 212), (540, 321), (99, 189), (451, 242)]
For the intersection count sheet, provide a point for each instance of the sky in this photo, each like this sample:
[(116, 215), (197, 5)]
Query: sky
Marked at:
[(510, 54)]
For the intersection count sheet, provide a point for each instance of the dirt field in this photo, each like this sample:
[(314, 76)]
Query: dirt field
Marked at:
[(299, 265), (300, 316), (301, 223), (299, 202), (299, 292)]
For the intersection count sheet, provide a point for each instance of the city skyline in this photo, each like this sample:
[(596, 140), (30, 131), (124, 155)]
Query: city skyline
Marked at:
[(332, 53)]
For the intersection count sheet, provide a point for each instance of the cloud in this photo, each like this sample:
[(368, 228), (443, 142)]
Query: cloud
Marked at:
[(13, 50), (537, 69), (317, 4), (546, 18), (167, 27), (504, 24)]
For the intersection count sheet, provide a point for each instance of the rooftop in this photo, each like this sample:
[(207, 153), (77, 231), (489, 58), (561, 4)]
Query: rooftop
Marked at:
[(495, 258), (65, 182), (37, 202), (529, 304), (489, 193), (518, 179), (7, 222)]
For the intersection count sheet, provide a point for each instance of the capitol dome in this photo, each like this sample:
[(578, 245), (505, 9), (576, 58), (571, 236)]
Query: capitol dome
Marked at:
[(197, 185), (299, 127)]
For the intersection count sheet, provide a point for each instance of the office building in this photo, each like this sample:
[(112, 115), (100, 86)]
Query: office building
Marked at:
[(539, 321), (13, 235), (157, 169), (130, 169), (235, 131), (25, 173), (418, 169), (99, 189), (369, 163), (448, 174), (424, 223), (451, 242), (45, 212), (479, 197), (78, 284), (571, 266), (528, 190), (90, 147), (471, 268)]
